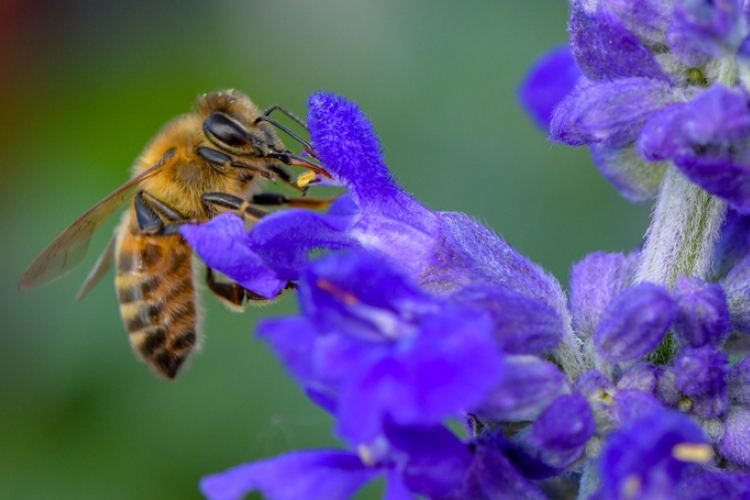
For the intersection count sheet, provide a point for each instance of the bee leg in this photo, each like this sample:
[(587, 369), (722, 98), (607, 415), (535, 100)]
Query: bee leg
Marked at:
[(218, 158), (156, 218), (232, 293), (263, 118), (288, 113), (233, 203), (280, 199)]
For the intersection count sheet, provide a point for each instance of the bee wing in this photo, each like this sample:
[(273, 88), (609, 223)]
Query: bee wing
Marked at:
[(103, 263), (68, 249)]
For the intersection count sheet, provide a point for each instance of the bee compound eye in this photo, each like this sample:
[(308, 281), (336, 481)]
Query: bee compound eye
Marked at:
[(226, 130)]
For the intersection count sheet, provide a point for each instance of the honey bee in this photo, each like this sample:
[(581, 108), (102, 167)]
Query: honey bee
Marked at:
[(212, 160)]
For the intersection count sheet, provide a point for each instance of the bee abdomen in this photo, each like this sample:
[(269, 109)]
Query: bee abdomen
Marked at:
[(157, 299)]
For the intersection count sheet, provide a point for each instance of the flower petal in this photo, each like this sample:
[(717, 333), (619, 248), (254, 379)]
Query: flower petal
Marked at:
[(317, 475), (703, 316), (609, 113), (553, 76), (525, 388), (223, 245), (594, 282), (604, 48), (635, 322)]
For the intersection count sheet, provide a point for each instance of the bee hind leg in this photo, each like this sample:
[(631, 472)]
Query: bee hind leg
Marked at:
[(232, 293)]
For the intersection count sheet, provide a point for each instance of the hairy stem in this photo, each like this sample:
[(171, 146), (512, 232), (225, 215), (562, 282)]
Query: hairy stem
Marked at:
[(680, 240)]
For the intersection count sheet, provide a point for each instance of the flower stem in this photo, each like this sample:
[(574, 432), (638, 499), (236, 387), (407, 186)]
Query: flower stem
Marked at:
[(680, 241), (683, 232)]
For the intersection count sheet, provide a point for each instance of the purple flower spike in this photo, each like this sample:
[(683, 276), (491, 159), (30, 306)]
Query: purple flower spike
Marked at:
[(735, 442), (635, 322), (552, 78), (702, 375), (318, 475), (649, 457), (703, 312)]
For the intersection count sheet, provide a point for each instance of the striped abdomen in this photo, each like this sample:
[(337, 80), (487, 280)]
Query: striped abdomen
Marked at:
[(157, 297)]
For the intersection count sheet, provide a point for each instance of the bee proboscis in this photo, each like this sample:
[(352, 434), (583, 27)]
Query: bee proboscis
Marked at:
[(211, 160)]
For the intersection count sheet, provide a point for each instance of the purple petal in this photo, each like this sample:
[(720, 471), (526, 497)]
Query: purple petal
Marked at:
[(608, 113), (433, 460), (648, 19), (715, 485), (347, 145), (604, 49), (594, 282), (735, 442), (521, 325), (636, 178), (317, 475), (492, 476), (739, 382), (711, 27), (633, 404), (223, 245), (395, 488), (285, 238), (662, 137), (702, 375), (634, 323), (479, 256), (703, 316), (562, 430), (345, 293), (526, 386), (733, 243), (643, 454), (723, 177), (737, 287), (444, 370), (553, 76), (292, 340), (642, 376)]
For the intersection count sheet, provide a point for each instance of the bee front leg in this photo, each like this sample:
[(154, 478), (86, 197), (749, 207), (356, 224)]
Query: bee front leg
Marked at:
[(271, 199), (232, 203), (156, 218)]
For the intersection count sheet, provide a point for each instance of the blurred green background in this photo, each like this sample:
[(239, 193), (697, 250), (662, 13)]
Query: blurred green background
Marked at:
[(85, 84)]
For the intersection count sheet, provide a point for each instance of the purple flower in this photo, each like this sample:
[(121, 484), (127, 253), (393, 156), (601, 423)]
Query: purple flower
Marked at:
[(424, 461), (553, 77), (703, 316), (650, 456), (635, 322), (657, 75), (702, 373), (735, 441), (402, 355)]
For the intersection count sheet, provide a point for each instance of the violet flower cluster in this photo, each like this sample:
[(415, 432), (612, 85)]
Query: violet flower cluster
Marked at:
[(633, 384)]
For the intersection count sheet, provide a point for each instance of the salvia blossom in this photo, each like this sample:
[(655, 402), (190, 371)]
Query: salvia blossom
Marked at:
[(633, 385), (630, 388)]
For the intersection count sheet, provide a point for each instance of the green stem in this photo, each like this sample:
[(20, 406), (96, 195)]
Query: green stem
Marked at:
[(681, 239)]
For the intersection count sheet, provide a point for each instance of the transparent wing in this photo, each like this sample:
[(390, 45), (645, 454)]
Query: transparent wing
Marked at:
[(68, 249), (103, 263)]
